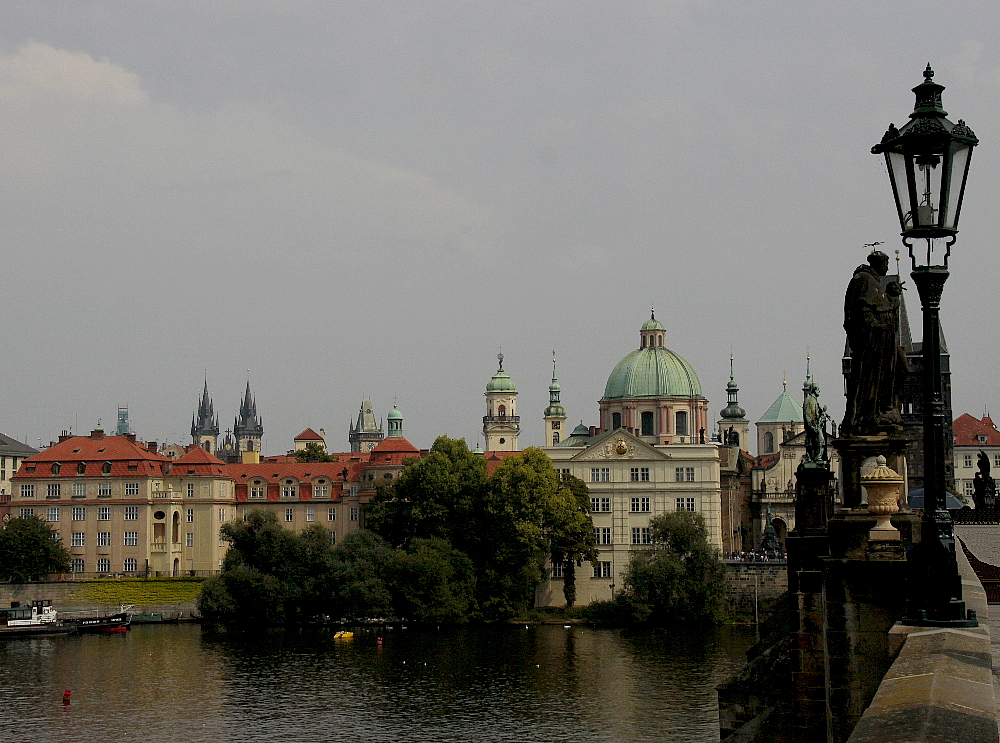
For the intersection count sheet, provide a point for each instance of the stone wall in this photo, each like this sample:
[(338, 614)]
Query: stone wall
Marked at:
[(169, 595), (746, 582)]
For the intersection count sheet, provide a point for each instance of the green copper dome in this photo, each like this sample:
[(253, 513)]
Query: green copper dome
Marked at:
[(652, 324), (500, 381), (652, 372), (394, 414), (579, 437)]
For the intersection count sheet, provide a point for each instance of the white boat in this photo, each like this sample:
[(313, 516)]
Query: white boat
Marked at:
[(38, 619)]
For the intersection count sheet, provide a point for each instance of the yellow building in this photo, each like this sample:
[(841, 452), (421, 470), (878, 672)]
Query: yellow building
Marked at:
[(121, 507)]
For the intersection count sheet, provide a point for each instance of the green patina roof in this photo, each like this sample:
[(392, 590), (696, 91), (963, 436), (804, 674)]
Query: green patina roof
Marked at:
[(783, 410), (394, 414), (500, 382), (579, 437), (652, 324), (652, 372), (555, 411)]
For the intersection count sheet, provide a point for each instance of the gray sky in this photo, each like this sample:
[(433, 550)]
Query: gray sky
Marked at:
[(374, 197)]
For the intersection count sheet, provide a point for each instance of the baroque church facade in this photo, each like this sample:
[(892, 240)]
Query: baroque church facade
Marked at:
[(649, 455)]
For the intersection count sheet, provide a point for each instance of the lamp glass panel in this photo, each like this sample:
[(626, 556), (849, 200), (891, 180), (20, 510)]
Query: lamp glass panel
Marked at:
[(897, 172), (956, 176), (928, 174)]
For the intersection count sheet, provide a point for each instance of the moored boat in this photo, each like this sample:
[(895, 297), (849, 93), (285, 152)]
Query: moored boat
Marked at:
[(38, 619), (111, 623)]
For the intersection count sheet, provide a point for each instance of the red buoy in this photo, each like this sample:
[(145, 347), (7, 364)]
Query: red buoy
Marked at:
[(66, 696)]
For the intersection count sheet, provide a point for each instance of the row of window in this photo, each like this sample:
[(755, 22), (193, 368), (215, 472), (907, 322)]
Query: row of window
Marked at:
[(601, 569), (79, 513), (79, 489), (600, 504), (639, 474), (968, 461), (130, 539), (129, 565), (647, 426), (259, 492), (331, 514)]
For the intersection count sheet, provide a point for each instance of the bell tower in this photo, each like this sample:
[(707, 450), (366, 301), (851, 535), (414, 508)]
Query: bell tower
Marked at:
[(555, 413), (501, 424), (205, 423)]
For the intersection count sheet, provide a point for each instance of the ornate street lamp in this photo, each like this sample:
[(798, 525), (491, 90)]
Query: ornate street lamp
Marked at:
[(928, 161)]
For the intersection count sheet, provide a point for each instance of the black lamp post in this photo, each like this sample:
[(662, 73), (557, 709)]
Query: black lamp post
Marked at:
[(928, 161)]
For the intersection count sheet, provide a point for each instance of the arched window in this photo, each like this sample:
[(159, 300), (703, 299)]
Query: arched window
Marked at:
[(682, 423), (616, 421), (768, 442), (555, 438), (106, 468), (81, 468), (647, 423), (501, 410), (205, 444), (56, 467)]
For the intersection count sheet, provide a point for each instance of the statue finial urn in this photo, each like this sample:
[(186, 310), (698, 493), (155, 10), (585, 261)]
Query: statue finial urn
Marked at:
[(883, 485)]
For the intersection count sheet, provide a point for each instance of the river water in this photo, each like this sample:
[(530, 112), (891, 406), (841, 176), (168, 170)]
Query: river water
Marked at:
[(177, 683)]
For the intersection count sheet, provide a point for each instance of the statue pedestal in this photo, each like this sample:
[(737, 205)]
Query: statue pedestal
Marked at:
[(854, 450)]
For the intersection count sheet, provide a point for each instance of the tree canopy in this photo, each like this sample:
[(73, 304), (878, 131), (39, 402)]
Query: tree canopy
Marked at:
[(311, 452), (681, 577), (30, 550), (506, 523)]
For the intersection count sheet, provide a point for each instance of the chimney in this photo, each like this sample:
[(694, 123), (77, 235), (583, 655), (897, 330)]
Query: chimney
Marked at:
[(97, 433), (64, 436), (130, 437), (152, 447)]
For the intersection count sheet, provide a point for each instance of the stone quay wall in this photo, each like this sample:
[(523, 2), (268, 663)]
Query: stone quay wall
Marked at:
[(750, 582), (149, 595)]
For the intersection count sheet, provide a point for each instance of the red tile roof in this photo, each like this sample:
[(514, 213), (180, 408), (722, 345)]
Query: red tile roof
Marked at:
[(127, 459), (274, 472), (309, 435), (395, 444), (197, 462), (968, 429)]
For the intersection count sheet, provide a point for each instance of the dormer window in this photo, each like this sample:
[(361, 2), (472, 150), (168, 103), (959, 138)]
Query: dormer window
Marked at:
[(106, 468), (56, 467), (982, 439)]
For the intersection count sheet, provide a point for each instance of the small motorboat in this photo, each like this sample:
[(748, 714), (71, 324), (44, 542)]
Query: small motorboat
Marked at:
[(38, 619)]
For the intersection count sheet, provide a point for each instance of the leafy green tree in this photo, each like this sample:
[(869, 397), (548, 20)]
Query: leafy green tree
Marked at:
[(270, 575), (312, 452), (570, 532), (530, 516), (681, 578), (362, 565), (433, 582), (30, 550), (436, 496)]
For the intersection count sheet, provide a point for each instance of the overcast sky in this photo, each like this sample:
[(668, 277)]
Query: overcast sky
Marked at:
[(372, 198)]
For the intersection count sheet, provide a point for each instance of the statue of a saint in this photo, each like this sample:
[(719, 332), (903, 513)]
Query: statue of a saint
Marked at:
[(878, 366), (984, 489), (815, 417)]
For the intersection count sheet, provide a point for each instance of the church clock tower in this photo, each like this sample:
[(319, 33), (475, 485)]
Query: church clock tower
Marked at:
[(501, 424), (555, 413)]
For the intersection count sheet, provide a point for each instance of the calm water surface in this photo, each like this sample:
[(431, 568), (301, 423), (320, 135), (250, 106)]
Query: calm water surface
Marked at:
[(546, 684)]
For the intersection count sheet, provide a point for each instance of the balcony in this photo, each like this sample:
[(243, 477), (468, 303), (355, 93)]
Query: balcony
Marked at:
[(160, 547), (501, 419), (167, 495)]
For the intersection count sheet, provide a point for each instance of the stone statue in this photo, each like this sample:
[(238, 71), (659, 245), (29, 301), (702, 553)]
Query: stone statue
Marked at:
[(878, 366), (815, 417), (984, 493)]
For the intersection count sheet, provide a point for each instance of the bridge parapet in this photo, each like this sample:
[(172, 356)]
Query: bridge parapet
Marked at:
[(940, 688)]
